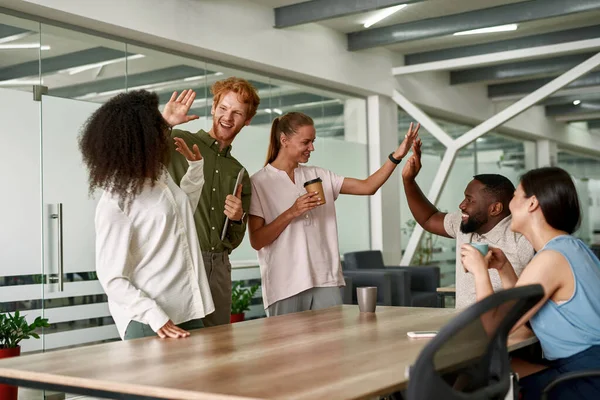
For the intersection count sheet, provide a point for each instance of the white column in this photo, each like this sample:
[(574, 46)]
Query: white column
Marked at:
[(385, 204), (530, 156), (547, 153)]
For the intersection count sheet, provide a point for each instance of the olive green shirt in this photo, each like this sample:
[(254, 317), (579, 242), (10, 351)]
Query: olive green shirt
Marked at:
[(220, 174)]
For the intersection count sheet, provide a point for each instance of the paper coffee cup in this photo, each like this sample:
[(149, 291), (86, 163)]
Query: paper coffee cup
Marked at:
[(315, 185)]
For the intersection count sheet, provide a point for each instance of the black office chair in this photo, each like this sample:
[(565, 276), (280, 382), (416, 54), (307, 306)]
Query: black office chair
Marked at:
[(552, 391), (479, 336)]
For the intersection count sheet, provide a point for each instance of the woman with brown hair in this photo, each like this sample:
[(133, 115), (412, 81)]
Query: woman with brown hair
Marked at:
[(295, 232), (545, 209), (147, 253)]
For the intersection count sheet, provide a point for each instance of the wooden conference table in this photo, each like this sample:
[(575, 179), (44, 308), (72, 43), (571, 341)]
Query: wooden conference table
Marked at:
[(333, 353)]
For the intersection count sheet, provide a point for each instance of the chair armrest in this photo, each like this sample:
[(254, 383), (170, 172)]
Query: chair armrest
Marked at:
[(566, 377)]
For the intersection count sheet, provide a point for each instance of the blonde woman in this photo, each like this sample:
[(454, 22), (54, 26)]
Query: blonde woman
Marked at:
[(295, 232)]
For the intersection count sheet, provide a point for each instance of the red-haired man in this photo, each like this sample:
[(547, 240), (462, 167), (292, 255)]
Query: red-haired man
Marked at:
[(235, 102)]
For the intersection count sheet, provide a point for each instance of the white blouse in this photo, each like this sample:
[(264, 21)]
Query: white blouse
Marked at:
[(148, 256), (306, 254)]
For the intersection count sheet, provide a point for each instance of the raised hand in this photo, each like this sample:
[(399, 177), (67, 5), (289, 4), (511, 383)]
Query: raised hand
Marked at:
[(170, 330), (233, 205), (409, 138), (182, 147), (413, 164), (305, 203), (175, 111)]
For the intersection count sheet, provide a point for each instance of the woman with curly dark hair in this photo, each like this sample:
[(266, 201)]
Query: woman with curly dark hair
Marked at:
[(147, 253)]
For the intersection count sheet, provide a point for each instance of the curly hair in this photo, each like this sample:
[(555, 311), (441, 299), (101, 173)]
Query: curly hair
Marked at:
[(125, 143), (245, 90)]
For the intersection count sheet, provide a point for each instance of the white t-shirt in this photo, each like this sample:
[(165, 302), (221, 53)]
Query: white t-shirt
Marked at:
[(306, 254)]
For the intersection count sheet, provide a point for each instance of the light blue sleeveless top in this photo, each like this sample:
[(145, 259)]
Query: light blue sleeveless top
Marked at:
[(573, 326)]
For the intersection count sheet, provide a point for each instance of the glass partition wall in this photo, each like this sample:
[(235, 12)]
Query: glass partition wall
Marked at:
[(585, 171), (51, 80)]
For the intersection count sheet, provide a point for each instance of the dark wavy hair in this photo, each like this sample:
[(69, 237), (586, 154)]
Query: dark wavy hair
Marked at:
[(124, 143), (555, 191)]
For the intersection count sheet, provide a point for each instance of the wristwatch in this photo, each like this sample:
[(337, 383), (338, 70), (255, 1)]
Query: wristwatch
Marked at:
[(394, 160)]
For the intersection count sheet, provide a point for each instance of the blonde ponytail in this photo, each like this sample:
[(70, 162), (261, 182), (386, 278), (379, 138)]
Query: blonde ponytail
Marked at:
[(274, 143)]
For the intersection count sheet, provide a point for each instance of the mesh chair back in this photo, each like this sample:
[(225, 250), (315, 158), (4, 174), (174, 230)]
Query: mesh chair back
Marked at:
[(468, 358)]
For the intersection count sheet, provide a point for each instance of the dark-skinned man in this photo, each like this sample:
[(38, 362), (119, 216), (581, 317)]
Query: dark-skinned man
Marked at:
[(483, 217)]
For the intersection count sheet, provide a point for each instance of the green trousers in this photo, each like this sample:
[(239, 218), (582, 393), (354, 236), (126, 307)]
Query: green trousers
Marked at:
[(136, 330)]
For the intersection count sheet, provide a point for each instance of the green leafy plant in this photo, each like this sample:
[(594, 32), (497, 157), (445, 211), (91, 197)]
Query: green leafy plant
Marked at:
[(241, 297), (14, 328), (424, 251)]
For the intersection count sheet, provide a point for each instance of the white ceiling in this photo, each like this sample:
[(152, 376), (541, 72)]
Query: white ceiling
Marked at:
[(439, 8)]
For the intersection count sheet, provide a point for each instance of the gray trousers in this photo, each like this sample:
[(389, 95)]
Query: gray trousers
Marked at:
[(136, 330), (312, 299), (218, 272)]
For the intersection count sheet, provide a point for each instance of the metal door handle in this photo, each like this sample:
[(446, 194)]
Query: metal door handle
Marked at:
[(59, 217)]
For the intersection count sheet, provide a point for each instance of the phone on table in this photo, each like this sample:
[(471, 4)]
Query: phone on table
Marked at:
[(421, 334)]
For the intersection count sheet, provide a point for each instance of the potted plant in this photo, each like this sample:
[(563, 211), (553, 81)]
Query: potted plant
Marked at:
[(240, 300), (13, 329)]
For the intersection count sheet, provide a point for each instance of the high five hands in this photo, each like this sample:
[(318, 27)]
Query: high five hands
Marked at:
[(409, 138), (413, 164)]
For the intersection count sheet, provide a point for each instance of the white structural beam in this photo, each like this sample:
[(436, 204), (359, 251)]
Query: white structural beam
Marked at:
[(382, 122), (424, 119), (528, 101), (434, 194), (480, 130), (500, 57), (375, 201)]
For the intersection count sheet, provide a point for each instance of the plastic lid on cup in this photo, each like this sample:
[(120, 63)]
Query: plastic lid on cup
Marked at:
[(312, 181)]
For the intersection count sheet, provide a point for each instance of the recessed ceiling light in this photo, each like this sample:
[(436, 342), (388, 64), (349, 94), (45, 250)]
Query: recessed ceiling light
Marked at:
[(491, 29), (20, 82), (382, 15), (194, 78), (576, 102), (86, 67), (277, 111), (268, 110), (23, 46)]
